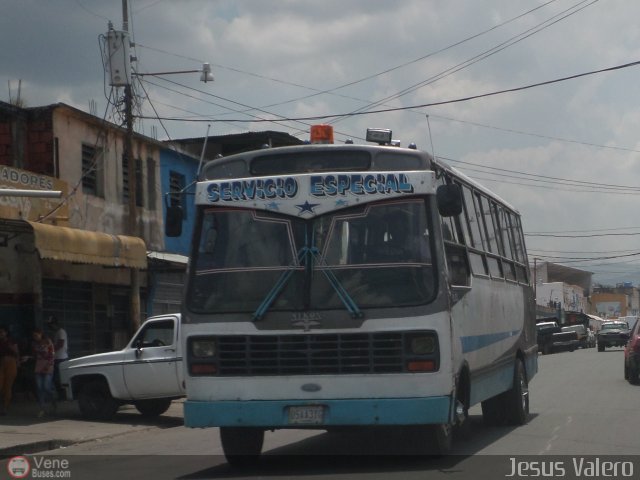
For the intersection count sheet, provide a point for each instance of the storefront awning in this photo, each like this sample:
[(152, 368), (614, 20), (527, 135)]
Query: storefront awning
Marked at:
[(168, 257), (82, 246)]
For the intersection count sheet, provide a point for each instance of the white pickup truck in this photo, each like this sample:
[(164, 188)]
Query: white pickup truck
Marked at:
[(147, 373)]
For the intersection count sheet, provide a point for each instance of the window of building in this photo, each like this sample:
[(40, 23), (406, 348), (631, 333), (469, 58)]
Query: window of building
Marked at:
[(92, 170), (125, 179), (126, 182), (151, 183), (177, 194), (139, 183)]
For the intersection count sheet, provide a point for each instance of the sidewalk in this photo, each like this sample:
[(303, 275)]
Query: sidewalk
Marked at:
[(22, 432)]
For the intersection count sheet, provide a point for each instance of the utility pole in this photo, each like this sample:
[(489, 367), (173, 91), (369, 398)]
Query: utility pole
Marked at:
[(133, 181), (121, 76)]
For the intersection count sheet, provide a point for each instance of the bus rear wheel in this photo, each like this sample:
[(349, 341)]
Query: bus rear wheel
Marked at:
[(241, 445), (516, 400)]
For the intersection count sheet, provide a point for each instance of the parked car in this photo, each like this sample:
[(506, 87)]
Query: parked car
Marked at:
[(612, 334), (552, 339), (147, 373), (581, 332), (632, 356)]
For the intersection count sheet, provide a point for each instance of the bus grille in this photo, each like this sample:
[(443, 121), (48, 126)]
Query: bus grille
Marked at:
[(382, 352)]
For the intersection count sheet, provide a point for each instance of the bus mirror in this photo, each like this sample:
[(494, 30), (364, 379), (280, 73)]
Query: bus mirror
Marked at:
[(449, 199), (173, 221)]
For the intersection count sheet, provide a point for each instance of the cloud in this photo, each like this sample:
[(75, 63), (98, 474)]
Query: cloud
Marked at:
[(267, 52)]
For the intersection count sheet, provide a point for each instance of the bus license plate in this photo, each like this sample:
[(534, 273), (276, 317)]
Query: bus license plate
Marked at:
[(306, 415)]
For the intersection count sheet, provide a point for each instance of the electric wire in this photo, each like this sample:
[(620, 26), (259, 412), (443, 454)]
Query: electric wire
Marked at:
[(482, 56), (424, 105)]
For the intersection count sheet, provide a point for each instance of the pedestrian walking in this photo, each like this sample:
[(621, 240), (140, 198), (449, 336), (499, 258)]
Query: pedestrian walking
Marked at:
[(8, 368), (43, 353), (60, 346)]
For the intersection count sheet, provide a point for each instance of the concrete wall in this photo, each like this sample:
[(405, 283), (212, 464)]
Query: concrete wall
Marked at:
[(108, 214)]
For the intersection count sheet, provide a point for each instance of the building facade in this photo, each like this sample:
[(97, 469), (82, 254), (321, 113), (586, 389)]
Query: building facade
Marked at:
[(87, 257), (73, 257)]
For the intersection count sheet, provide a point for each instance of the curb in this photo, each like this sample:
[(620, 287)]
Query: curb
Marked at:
[(46, 445), (35, 447)]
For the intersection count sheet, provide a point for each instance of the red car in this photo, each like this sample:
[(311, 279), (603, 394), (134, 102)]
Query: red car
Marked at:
[(632, 356)]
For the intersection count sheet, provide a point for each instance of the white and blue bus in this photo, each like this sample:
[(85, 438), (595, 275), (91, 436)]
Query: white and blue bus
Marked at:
[(338, 286)]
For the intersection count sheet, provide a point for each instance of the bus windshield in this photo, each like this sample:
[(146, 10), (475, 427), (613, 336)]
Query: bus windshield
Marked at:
[(372, 256)]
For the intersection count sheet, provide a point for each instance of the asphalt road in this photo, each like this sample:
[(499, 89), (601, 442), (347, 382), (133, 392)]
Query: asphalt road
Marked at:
[(580, 404)]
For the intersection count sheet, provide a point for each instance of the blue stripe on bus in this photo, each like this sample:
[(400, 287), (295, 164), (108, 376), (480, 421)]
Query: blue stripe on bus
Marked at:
[(476, 342), (274, 413)]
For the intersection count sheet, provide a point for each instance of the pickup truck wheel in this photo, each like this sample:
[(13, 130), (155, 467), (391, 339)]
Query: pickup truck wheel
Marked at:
[(633, 375), (600, 348), (241, 445), (153, 407), (95, 401)]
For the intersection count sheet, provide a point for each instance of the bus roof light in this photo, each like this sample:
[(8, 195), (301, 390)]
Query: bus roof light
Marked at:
[(321, 134), (381, 136)]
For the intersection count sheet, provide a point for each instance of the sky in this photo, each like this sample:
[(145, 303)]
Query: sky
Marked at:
[(565, 153)]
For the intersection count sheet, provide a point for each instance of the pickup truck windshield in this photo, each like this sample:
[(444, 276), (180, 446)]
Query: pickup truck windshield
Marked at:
[(374, 256)]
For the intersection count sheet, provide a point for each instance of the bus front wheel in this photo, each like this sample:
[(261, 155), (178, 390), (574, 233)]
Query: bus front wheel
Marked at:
[(241, 445), (441, 439)]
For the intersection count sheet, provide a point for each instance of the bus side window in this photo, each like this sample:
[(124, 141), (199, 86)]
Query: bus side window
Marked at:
[(457, 264), (454, 249), (476, 256)]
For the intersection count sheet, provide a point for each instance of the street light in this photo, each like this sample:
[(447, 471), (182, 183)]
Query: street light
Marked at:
[(205, 73)]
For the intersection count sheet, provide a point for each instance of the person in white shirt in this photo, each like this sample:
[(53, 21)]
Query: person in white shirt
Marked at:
[(61, 348)]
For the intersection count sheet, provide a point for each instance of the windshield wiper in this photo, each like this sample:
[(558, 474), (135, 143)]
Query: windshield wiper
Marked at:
[(278, 287), (344, 296), (304, 253)]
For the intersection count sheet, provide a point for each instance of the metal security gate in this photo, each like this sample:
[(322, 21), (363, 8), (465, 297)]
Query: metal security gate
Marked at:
[(167, 297), (95, 316), (72, 303)]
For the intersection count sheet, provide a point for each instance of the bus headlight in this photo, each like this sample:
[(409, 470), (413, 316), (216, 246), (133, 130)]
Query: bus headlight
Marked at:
[(203, 348), (423, 345)]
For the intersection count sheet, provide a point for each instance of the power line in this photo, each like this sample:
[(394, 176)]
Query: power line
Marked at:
[(549, 137), (595, 235), (360, 80), (482, 56), (545, 178), (593, 230), (423, 105)]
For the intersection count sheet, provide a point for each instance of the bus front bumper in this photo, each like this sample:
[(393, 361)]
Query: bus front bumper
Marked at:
[(319, 413)]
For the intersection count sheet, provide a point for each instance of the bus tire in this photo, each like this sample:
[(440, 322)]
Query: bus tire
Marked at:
[(430, 440), (461, 421), (441, 439), (241, 445), (517, 399)]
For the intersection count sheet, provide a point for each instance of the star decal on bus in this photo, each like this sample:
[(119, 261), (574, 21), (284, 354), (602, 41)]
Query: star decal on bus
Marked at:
[(341, 203), (307, 207), (273, 206)]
